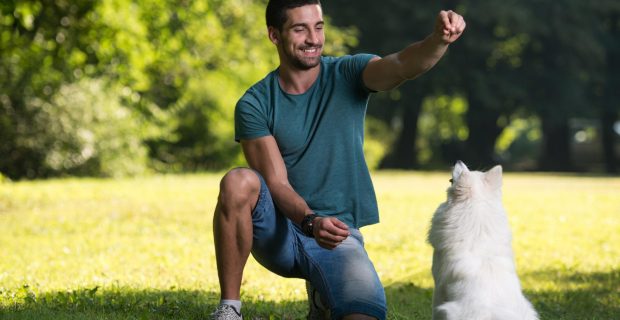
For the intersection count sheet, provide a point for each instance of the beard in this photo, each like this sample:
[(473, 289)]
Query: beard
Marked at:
[(305, 63)]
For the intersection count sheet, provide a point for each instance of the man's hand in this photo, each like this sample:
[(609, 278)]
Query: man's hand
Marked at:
[(449, 26), (330, 232)]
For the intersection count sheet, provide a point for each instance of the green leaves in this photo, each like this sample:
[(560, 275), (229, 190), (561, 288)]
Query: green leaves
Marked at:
[(173, 68)]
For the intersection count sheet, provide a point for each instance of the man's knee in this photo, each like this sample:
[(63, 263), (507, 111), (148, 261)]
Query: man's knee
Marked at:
[(239, 186)]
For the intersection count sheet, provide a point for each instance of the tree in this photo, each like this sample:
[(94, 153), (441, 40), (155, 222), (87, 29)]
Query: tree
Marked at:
[(386, 27), (39, 51), (177, 67), (556, 59), (516, 60), (482, 66), (605, 89)]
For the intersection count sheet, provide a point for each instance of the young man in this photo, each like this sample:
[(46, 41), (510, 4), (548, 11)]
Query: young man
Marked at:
[(299, 208)]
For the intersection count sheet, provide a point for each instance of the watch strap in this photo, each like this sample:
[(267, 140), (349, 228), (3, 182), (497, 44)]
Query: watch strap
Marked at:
[(307, 225)]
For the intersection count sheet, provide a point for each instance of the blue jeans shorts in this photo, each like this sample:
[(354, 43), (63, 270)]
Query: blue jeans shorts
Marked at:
[(345, 277)]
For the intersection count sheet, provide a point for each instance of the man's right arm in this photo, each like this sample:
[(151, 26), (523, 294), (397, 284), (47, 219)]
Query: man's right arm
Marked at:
[(263, 155)]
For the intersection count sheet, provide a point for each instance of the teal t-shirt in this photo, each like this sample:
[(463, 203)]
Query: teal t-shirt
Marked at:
[(320, 134)]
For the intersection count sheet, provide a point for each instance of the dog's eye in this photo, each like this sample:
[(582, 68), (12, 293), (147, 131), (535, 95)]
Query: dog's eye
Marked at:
[(451, 181)]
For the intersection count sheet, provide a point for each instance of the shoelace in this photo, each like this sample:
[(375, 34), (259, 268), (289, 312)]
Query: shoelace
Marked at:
[(224, 310)]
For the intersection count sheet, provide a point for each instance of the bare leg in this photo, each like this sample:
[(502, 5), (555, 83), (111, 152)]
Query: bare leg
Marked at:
[(232, 228)]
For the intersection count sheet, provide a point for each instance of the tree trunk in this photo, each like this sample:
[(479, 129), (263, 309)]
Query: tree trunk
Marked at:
[(608, 119), (555, 155), (404, 154), (483, 133)]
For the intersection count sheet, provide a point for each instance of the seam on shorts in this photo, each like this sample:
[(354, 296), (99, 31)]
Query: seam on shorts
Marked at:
[(315, 265), (261, 192)]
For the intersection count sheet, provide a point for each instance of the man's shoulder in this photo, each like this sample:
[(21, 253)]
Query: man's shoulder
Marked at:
[(259, 90), (348, 67)]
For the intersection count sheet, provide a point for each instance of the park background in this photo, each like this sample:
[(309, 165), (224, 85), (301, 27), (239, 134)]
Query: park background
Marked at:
[(113, 88), (116, 123)]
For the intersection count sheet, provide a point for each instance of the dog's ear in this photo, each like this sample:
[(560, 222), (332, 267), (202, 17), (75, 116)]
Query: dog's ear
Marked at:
[(459, 169), (494, 176)]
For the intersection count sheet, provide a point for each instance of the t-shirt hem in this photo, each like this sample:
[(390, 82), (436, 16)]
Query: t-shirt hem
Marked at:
[(250, 137)]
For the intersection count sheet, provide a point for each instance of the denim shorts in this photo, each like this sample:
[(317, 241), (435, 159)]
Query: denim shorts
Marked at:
[(345, 277)]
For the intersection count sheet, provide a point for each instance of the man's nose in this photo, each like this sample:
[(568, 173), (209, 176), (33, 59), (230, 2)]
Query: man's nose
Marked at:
[(313, 37)]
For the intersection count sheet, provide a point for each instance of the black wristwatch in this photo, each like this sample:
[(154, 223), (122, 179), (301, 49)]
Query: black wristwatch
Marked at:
[(307, 225)]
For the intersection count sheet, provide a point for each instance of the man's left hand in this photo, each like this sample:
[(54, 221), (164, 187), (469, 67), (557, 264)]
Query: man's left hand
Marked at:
[(329, 232)]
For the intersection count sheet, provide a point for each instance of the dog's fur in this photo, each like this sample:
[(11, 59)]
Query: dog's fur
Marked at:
[(473, 264)]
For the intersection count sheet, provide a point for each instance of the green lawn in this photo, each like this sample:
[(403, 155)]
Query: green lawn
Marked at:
[(142, 248)]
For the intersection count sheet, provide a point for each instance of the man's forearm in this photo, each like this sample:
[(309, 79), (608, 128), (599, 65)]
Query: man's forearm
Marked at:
[(420, 57), (290, 203), (396, 68), (391, 71)]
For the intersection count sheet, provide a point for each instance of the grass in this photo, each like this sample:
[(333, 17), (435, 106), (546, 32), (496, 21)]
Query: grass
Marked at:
[(142, 248)]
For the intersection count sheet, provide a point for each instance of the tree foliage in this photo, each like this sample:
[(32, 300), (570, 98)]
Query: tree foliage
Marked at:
[(172, 69), (114, 87), (517, 60)]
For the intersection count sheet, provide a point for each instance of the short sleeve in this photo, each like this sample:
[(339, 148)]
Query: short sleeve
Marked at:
[(250, 120), (353, 66)]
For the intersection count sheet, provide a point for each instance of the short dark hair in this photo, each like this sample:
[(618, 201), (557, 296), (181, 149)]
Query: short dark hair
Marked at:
[(276, 10)]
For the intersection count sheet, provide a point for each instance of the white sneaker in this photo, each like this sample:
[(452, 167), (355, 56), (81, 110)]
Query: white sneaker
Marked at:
[(317, 309), (226, 312)]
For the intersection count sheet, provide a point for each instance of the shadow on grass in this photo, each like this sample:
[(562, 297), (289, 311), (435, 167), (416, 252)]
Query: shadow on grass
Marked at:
[(578, 296), (123, 303)]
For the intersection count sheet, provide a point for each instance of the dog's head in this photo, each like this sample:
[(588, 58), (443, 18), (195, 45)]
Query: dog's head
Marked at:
[(469, 185)]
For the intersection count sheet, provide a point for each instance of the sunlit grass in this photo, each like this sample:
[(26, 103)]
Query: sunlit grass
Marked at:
[(142, 248)]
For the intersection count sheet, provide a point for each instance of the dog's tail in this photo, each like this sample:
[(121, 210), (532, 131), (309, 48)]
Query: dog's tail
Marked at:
[(445, 311), (504, 314), (448, 311), (458, 310)]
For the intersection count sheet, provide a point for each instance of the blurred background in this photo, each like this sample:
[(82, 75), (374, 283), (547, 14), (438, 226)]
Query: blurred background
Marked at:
[(120, 87)]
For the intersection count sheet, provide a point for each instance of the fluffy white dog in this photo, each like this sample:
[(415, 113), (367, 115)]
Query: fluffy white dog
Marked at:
[(473, 264)]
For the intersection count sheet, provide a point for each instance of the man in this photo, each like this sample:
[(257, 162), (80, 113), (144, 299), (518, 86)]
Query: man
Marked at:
[(299, 208)]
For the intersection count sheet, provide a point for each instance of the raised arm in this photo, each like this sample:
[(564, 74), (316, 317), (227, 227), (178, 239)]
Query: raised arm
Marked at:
[(389, 72), (263, 155)]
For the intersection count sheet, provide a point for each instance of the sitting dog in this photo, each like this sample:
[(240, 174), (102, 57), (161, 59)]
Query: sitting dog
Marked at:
[(473, 264)]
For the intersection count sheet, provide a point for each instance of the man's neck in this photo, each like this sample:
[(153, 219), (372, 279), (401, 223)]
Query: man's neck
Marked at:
[(296, 81)]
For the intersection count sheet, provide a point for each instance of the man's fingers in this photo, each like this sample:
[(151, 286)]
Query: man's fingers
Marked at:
[(445, 19), (450, 25), (328, 244), (459, 24), (331, 232), (327, 236), (340, 224)]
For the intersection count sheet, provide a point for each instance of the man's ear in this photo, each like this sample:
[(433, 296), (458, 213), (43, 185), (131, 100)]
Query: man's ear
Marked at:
[(274, 35)]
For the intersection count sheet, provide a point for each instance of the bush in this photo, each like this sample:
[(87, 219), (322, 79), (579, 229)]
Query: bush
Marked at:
[(377, 139), (85, 129)]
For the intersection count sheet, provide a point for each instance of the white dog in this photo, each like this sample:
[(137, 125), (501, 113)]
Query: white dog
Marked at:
[(473, 264)]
